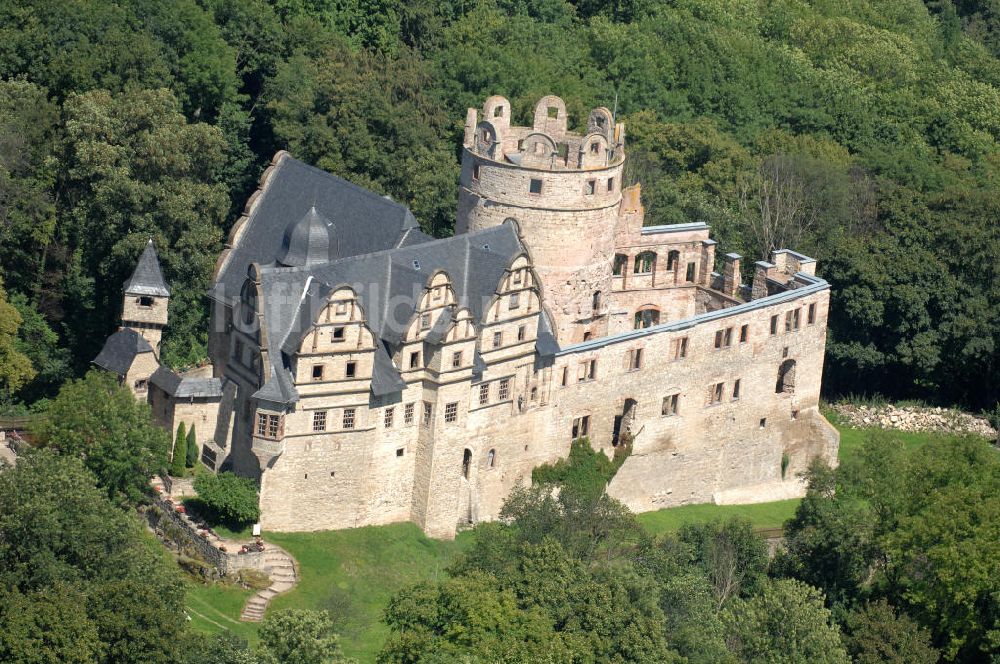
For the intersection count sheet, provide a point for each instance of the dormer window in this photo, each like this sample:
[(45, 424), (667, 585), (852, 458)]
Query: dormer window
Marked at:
[(416, 265)]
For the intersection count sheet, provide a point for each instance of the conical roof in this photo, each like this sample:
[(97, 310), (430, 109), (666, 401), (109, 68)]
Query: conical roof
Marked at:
[(308, 241), (147, 279)]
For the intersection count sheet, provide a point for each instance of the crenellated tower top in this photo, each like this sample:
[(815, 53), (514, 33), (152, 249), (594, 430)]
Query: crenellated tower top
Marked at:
[(547, 144)]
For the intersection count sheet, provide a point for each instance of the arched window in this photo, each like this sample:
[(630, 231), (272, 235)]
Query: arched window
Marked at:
[(786, 378), (673, 260), (596, 301), (619, 265), (466, 462), (491, 458), (644, 262), (647, 317)]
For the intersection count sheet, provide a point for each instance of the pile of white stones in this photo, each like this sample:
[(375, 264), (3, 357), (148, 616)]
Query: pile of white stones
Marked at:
[(915, 418)]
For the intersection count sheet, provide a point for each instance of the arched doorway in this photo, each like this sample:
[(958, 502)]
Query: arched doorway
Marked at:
[(786, 378)]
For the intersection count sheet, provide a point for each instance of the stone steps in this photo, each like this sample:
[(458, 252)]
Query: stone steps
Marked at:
[(280, 567)]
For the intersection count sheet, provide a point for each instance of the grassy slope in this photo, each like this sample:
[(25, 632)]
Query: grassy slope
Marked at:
[(352, 573)]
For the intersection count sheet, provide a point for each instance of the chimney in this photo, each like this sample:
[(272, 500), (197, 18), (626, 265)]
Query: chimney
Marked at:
[(764, 270), (731, 275)]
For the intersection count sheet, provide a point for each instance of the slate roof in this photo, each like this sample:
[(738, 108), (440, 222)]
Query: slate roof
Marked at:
[(279, 387), (186, 387), (120, 350), (147, 279), (366, 222)]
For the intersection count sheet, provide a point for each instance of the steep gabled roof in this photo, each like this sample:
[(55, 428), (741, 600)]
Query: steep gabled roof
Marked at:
[(120, 350), (365, 222), (147, 279)]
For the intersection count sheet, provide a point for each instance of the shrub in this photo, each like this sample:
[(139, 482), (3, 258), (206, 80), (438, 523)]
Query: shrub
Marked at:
[(585, 471), (180, 452), (191, 455), (230, 498)]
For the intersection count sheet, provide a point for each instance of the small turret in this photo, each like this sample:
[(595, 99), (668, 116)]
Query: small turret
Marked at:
[(146, 299)]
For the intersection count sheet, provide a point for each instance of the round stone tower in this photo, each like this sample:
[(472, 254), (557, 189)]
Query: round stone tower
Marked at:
[(564, 189)]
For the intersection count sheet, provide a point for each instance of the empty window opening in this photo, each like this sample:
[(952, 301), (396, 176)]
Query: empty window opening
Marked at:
[(319, 420), (553, 111), (466, 462), (595, 301), (317, 372), (415, 359), (587, 335), (145, 301), (673, 260), (451, 412), (456, 360), (724, 338), (475, 172), (591, 187), (581, 426), (635, 359), (521, 331), (744, 333), (503, 391), (563, 150), (491, 458), (811, 316), (715, 394), (690, 272), (333, 473), (338, 334), (565, 376), (348, 418), (786, 378), (644, 263), (670, 404), (763, 422), (400, 451), (141, 385), (680, 347), (534, 393), (595, 148), (352, 369), (498, 112), (618, 268), (611, 184), (535, 187), (774, 324), (408, 414), (647, 318), (497, 339), (736, 390)]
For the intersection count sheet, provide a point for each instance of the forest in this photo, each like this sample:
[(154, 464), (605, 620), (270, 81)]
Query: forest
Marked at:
[(863, 133)]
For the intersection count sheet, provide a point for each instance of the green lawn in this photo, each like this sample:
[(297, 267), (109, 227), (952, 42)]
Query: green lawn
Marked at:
[(352, 573), (763, 516), (215, 608)]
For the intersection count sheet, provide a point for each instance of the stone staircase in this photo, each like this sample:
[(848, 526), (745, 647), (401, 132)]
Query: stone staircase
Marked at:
[(280, 567)]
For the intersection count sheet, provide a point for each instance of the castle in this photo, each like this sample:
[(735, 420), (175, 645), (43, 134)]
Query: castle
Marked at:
[(366, 373)]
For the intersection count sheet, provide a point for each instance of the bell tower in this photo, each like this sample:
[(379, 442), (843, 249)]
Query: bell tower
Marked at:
[(144, 308)]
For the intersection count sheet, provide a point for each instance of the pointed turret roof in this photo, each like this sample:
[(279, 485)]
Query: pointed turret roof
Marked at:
[(147, 278), (120, 350)]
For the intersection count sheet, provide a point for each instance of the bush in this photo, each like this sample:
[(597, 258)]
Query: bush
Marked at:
[(232, 499), (180, 452), (585, 471), (191, 455)]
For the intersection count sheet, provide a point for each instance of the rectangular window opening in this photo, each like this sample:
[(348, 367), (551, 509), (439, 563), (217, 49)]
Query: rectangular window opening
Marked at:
[(317, 372), (535, 187), (484, 394), (352, 369), (408, 414), (319, 420), (690, 272), (670, 404), (451, 412), (348, 418), (503, 392), (338, 334)]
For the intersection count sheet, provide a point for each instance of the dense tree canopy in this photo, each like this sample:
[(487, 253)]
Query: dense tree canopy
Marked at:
[(80, 580), (123, 121)]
